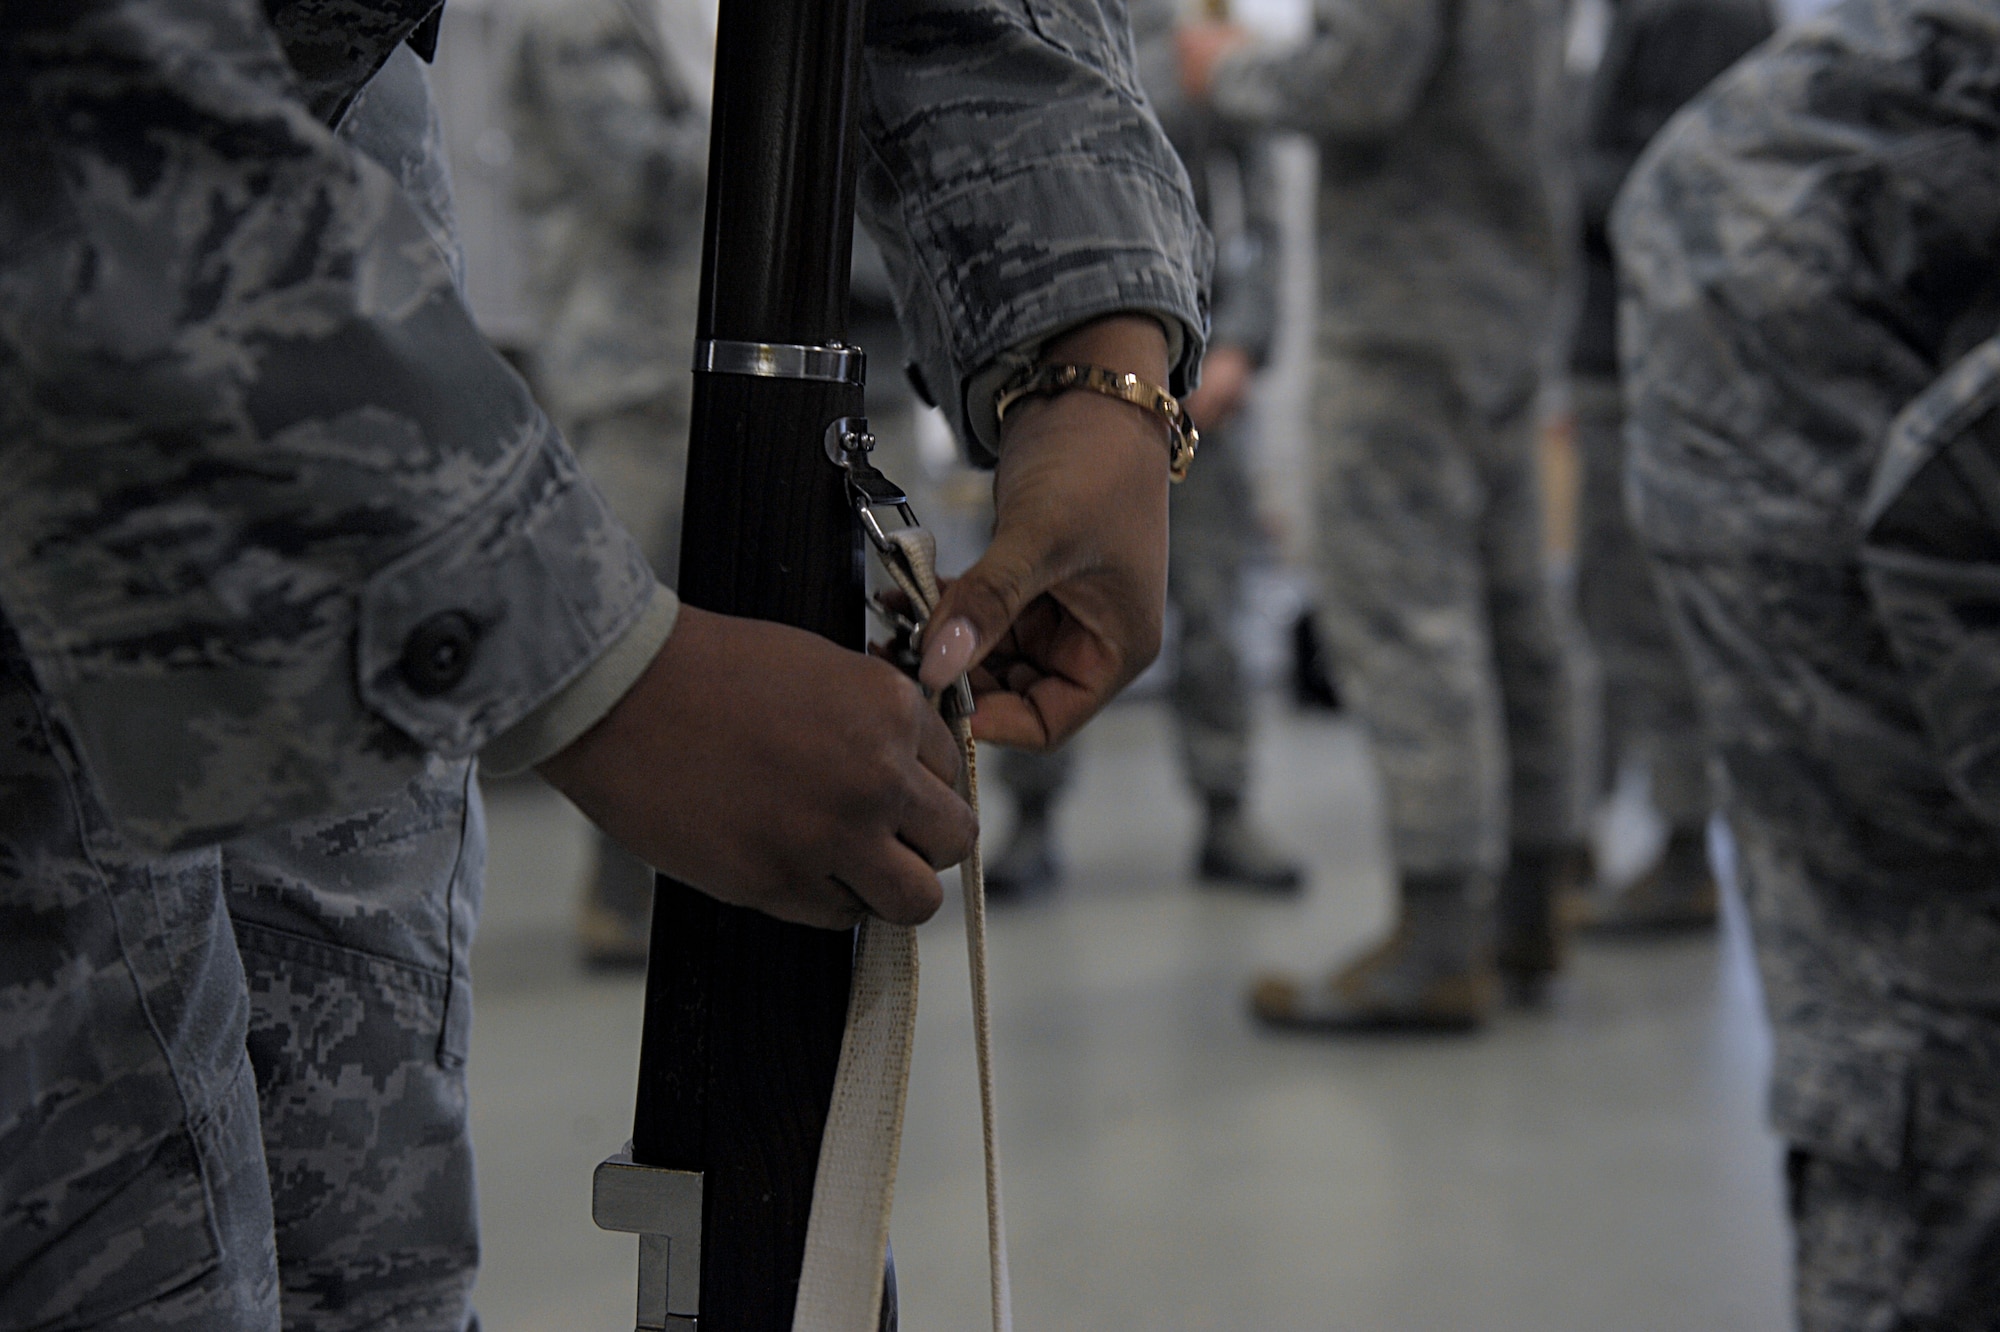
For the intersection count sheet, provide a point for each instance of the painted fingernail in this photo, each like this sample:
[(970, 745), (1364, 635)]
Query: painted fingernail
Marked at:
[(948, 651)]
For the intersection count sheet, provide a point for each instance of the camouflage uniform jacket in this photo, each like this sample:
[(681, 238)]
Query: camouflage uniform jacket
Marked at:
[(1245, 297), (1443, 212), (276, 521), (1808, 251), (610, 175)]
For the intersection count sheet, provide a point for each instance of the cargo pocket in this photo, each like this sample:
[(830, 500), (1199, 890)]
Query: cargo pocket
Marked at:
[(365, 1132), (385, 899), (122, 1040)]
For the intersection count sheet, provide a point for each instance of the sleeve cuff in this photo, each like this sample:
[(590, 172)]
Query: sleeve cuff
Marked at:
[(582, 703)]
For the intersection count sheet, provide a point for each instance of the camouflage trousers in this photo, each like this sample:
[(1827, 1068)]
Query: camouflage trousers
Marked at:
[(1914, 1247), (1448, 641), (1213, 522), (231, 1080), (1650, 708)]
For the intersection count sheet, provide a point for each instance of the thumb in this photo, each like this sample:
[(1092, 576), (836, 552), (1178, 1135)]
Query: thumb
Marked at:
[(978, 609)]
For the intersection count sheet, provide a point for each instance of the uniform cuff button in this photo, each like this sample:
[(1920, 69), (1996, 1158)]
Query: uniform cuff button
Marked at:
[(438, 652)]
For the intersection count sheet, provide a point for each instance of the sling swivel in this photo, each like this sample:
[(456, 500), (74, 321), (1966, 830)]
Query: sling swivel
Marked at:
[(848, 443)]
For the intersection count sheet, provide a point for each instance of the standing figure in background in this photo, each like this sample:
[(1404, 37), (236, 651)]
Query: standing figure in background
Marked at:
[(608, 103), (1658, 54), (1443, 235), (1214, 514), (1810, 262)]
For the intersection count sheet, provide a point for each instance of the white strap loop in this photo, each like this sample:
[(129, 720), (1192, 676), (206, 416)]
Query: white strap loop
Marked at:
[(847, 1235)]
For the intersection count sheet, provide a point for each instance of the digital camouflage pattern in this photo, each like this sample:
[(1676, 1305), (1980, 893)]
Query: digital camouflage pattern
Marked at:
[(1809, 255), (317, 453), (251, 324), (1443, 175), (1657, 55), (150, 613), (1443, 231), (1444, 634), (355, 932), (132, 1191), (1222, 159), (1214, 511), (1018, 185)]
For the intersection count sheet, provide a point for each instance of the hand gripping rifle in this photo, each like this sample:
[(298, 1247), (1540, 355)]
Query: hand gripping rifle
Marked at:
[(744, 1013)]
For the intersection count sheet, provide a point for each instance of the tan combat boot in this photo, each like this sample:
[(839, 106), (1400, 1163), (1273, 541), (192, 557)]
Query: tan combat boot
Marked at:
[(1434, 974)]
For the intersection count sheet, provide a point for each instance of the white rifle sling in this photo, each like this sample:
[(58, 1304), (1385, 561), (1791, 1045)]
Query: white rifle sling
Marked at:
[(840, 1286)]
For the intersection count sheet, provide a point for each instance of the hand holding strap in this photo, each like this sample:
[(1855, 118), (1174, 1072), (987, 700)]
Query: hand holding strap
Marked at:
[(840, 1285)]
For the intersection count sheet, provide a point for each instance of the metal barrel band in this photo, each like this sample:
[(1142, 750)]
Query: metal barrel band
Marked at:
[(836, 364)]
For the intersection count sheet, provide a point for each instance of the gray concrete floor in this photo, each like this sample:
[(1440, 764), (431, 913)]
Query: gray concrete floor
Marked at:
[(1600, 1167)]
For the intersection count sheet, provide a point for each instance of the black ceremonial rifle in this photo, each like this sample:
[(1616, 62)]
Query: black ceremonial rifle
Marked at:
[(744, 1013)]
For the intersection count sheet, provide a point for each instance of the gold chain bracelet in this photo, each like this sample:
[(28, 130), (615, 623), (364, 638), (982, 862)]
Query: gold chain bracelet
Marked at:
[(1048, 380)]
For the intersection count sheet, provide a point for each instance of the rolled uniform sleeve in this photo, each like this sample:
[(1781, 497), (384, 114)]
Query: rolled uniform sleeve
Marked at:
[(1020, 186), (278, 520)]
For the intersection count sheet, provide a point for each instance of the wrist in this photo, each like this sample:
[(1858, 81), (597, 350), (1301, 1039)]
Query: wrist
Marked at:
[(1059, 379), (1122, 338), (1121, 358)]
